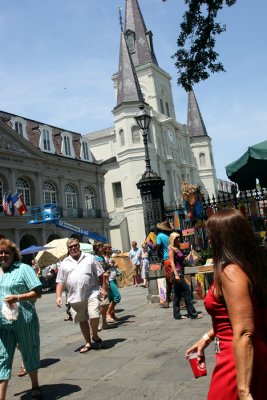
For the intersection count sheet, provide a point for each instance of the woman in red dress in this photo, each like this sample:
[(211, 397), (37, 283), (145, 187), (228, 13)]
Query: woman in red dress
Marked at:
[(237, 304)]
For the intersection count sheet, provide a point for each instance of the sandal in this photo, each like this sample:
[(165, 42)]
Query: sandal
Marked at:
[(110, 320), (99, 343), (85, 348), (22, 372), (37, 393), (198, 316)]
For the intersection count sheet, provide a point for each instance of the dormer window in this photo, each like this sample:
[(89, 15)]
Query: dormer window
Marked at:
[(130, 40), (85, 151), (46, 140), (19, 128), (67, 146)]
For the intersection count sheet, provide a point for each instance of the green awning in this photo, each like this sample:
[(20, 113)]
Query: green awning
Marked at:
[(251, 166)]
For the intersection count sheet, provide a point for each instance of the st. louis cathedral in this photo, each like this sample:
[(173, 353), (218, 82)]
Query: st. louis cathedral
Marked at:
[(93, 177)]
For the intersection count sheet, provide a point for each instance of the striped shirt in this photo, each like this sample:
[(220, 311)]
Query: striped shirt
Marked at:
[(19, 279)]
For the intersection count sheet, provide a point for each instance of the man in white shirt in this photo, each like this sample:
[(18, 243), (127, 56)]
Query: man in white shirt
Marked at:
[(135, 257), (80, 274)]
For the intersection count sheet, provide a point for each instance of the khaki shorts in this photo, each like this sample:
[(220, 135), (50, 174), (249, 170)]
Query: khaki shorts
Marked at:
[(136, 269), (83, 310), (104, 302)]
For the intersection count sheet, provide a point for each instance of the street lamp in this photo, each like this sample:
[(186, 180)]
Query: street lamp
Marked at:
[(150, 185), (143, 121)]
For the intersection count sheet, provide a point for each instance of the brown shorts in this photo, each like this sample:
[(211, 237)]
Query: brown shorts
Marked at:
[(136, 269)]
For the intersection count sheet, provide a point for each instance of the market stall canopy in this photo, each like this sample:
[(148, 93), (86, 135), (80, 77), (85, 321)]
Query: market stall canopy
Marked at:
[(87, 248), (52, 256), (34, 249), (251, 166)]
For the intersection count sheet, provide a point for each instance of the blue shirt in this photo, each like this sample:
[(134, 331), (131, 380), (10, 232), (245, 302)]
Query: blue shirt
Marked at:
[(162, 241)]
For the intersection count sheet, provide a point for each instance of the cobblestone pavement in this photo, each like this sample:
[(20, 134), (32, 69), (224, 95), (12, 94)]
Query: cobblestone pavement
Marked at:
[(143, 357)]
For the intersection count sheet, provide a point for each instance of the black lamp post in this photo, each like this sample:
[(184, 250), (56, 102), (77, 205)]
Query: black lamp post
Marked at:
[(150, 185)]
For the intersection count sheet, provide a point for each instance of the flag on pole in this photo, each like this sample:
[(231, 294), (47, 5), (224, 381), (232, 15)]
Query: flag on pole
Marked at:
[(7, 204), (18, 202)]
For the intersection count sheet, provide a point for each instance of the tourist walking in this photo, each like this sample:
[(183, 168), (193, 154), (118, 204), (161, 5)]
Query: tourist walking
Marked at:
[(237, 304), (180, 286), (164, 231), (80, 273), (135, 257), (19, 325), (144, 263)]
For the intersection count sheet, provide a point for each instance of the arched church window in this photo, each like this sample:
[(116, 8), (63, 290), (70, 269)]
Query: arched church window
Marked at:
[(161, 106), (130, 40), (202, 159), (70, 196), (136, 137), (122, 138), (49, 193), (23, 188), (167, 109), (89, 198)]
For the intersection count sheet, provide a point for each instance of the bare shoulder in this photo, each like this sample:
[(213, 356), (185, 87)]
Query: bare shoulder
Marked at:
[(233, 275)]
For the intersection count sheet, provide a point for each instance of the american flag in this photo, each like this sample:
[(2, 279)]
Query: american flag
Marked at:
[(8, 204)]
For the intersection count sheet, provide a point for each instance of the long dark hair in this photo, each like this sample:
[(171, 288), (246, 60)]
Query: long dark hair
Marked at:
[(233, 242)]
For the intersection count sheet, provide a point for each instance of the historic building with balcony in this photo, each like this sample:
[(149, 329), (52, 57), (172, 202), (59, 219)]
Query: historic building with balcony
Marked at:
[(46, 165)]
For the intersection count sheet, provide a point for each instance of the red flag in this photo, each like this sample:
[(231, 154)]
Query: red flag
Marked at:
[(19, 203)]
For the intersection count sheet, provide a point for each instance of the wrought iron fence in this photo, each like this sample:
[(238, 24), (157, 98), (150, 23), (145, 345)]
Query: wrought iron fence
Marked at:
[(252, 203)]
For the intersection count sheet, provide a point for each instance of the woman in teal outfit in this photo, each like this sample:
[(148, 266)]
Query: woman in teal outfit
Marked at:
[(19, 288)]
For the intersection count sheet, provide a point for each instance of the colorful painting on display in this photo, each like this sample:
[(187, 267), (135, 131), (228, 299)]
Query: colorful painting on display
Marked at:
[(176, 221), (162, 289), (200, 286)]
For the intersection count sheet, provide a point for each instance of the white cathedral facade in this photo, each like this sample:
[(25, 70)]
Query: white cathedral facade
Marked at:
[(93, 177), (177, 152)]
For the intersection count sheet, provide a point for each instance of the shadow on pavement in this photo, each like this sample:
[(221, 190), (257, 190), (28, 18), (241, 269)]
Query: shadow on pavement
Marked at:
[(109, 343), (53, 392), (126, 319), (48, 361)]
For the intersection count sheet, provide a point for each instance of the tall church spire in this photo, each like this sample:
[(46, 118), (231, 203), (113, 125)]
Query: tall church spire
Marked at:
[(139, 40), (128, 84), (195, 123)]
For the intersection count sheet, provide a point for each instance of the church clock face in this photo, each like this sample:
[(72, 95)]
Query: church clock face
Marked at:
[(170, 135)]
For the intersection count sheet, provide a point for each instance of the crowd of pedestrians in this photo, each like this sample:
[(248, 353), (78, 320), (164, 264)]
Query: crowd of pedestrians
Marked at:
[(236, 301)]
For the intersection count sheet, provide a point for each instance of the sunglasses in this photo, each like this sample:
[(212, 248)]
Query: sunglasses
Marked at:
[(74, 246)]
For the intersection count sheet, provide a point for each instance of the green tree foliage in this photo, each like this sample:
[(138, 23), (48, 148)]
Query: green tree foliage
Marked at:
[(196, 57)]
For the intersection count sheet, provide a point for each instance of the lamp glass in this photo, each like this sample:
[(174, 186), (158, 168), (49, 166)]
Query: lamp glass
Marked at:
[(142, 119)]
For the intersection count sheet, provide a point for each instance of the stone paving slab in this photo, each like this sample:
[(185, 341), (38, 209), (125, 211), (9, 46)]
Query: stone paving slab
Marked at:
[(143, 356)]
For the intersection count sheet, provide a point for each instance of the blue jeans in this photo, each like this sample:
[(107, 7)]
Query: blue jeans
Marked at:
[(181, 289)]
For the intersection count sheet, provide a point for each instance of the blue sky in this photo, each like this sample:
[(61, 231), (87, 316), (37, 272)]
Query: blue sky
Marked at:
[(58, 57)]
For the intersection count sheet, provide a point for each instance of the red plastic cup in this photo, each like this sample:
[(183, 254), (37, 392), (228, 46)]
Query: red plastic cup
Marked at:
[(198, 367)]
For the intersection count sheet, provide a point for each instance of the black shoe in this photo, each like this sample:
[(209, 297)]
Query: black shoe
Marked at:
[(37, 393)]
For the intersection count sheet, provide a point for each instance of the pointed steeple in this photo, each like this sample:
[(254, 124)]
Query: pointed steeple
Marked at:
[(141, 44), (195, 123), (128, 84)]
